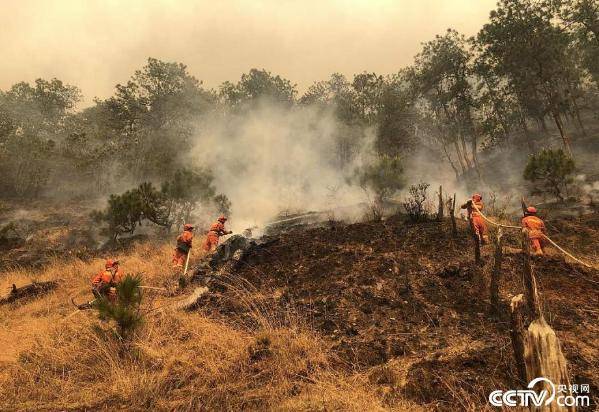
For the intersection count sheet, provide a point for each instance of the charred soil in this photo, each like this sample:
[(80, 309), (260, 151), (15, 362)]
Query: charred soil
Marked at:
[(407, 303)]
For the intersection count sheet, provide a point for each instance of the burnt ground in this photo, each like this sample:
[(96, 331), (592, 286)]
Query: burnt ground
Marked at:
[(406, 303)]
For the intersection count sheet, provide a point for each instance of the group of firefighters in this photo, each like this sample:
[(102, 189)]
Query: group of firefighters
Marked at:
[(534, 226), (105, 282)]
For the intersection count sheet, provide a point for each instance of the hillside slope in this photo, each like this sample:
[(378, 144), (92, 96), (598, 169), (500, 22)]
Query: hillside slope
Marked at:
[(408, 300), (365, 316)]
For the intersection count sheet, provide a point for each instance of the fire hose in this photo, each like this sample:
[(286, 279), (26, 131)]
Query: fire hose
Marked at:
[(558, 247)]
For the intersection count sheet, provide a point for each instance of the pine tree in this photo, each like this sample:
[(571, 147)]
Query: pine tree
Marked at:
[(124, 311), (550, 171)]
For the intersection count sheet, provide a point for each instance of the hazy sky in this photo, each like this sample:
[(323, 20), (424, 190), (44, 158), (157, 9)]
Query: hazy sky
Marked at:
[(95, 44)]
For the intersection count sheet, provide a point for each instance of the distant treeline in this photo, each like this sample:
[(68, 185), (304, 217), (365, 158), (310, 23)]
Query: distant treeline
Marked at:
[(534, 65)]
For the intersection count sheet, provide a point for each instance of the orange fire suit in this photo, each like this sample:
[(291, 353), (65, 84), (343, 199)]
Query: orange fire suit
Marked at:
[(184, 241), (104, 283), (478, 224), (216, 231), (536, 229)]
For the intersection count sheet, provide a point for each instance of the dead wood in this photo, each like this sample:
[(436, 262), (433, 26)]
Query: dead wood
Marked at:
[(440, 210), (34, 289), (517, 334), (451, 209)]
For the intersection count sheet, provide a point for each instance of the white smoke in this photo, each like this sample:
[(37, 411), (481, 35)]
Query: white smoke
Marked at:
[(273, 159)]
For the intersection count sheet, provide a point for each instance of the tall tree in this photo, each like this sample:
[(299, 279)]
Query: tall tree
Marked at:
[(258, 84), (539, 69), (441, 75)]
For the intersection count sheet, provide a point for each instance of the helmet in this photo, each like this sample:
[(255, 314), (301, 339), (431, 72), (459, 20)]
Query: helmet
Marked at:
[(222, 219), (477, 197), (187, 226), (111, 263), (531, 210)]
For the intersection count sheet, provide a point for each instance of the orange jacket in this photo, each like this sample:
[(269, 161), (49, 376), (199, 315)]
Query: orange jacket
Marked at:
[(107, 277), (218, 228), (184, 241), (471, 210), (535, 227)]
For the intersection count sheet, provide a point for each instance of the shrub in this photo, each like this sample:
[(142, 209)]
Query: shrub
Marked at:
[(172, 205), (125, 310), (123, 214), (415, 203), (550, 171)]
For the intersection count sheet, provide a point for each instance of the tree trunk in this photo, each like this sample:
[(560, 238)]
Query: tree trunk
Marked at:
[(459, 154), (440, 208), (565, 139), (455, 169), (529, 142), (524, 206), (465, 151), (542, 124), (496, 274), (577, 115), (538, 348)]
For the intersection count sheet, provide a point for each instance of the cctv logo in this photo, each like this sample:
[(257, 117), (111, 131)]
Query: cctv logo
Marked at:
[(529, 397)]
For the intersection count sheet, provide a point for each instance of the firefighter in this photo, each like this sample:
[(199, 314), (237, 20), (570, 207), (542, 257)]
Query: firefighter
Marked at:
[(184, 241), (216, 231), (105, 282), (476, 220), (536, 230)]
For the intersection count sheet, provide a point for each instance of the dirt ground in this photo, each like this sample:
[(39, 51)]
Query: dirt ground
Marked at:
[(406, 302)]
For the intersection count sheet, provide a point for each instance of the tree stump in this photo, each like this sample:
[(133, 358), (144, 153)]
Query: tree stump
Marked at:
[(451, 209), (518, 335), (440, 210), (543, 357), (537, 349)]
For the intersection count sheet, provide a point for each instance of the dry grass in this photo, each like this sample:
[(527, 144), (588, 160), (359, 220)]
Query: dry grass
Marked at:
[(55, 358)]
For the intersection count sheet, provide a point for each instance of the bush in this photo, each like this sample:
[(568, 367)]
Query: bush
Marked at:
[(415, 203), (125, 310), (123, 214), (550, 171), (172, 205), (382, 177)]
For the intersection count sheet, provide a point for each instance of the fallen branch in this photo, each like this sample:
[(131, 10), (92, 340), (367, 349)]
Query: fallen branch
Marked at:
[(32, 290)]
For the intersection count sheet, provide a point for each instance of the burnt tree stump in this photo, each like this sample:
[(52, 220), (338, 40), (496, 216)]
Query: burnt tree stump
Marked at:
[(451, 210), (518, 334), (537, 349), (496, 273), (440, 210)]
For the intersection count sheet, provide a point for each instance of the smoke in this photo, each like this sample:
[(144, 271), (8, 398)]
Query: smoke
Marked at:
[(273, 159)]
